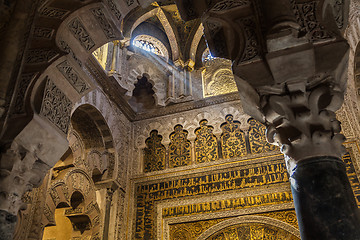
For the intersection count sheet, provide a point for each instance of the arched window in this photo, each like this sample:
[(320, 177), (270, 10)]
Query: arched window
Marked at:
[(150, 44)]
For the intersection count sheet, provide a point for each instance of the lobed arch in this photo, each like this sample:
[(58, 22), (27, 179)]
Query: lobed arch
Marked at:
[(145, 67), (116, 124), (73, 190)]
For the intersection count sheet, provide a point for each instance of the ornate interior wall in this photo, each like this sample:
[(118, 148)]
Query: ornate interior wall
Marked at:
[(192, 166)]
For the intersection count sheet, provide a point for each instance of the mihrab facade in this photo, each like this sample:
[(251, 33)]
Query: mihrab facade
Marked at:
[(123, 120)]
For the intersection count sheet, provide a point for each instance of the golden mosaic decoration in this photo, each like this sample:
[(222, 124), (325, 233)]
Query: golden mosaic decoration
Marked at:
[(179, 148), (257, 139), (252, 231), (232, 138), (206, 146), (228, 204), (191, 230), (154, 153)]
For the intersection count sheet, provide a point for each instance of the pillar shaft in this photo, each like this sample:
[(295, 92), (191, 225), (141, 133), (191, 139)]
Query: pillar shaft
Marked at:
[(324, 201)]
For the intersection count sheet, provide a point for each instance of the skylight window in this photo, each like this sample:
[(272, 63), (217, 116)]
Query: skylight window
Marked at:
[(150, 44)]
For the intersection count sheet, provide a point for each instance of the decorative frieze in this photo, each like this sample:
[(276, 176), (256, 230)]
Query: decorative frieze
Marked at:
[(228, 204), (219, 182), (43, 32), (104, 23), (73, 77), (56, 106), (24, 81), (41, 55), (68, 50), (51, 12), (80, 33), (114, 9)]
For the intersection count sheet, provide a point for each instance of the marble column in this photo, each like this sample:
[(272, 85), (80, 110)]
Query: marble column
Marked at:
[(109, 195), (290, 65)]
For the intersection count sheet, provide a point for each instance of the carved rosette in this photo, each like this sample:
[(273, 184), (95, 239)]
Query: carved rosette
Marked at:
[(303, 123)]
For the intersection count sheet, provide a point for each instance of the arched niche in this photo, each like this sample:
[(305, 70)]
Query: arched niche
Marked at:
[(92, 135), (71, 201)]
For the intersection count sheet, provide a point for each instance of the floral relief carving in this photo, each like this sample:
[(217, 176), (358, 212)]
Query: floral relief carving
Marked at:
[(154, 153), (56, 106), (257, 138), (104, 23), (179, 148), (232, 139), (72, 76), (206, 146), (80, 33)]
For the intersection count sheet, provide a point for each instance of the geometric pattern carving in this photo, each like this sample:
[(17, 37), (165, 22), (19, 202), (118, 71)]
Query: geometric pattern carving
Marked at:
[(206, 146), (69, 73), (252, 231), (104, 23), (179, 148), (80, 33), (232, 138), (56, 106), (154, 153), (257, 138)]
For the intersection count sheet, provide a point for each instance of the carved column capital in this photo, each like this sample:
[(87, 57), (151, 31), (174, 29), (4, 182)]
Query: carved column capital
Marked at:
[(303, 123), (23, 166)]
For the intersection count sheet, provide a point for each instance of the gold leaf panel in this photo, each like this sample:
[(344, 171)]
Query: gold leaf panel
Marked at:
[(232, 138), (206, 147), (179, 148), (258, 142), (154, 153)]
